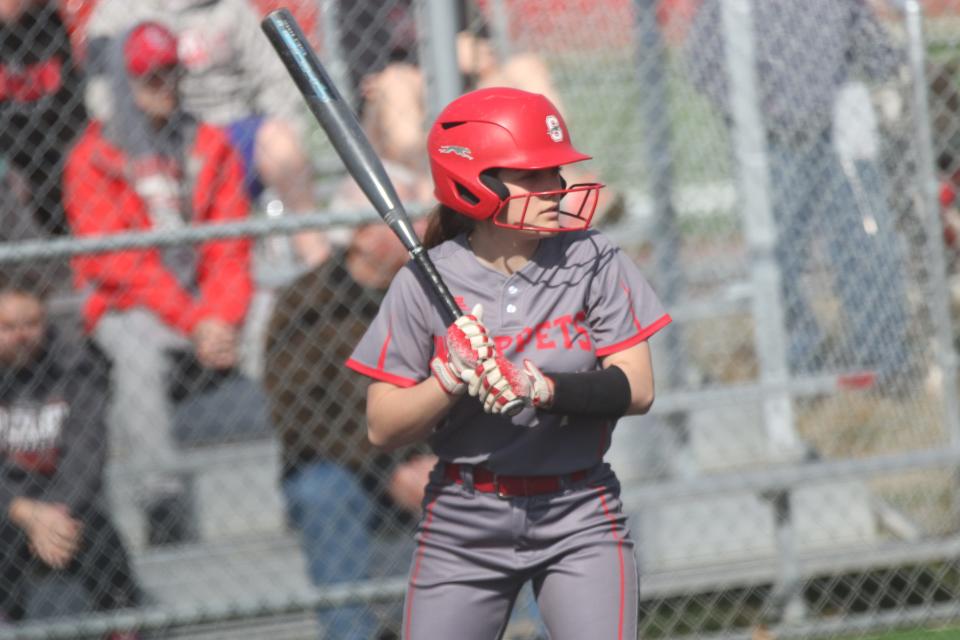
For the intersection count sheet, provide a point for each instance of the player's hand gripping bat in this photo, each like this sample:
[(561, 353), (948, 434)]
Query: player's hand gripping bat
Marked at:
[(353, 147)]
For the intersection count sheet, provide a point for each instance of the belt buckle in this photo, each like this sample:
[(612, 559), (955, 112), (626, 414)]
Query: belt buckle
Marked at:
[(499, 488)]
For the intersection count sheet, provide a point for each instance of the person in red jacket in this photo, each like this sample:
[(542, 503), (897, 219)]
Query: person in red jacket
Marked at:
[(153, 166)]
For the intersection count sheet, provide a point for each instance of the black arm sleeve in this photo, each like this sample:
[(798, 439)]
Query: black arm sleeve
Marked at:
[(600, 394)]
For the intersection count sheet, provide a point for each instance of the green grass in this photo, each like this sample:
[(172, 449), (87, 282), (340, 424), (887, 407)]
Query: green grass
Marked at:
[(929, 634)]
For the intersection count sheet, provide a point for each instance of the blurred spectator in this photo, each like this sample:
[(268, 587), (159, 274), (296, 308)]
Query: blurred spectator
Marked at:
[(946, 136), (153, 166), (233, 79), (41, 103), (394, 114), (61, 553), (373, 34), (949, 205), (333, 480), (394, 96), (805, 53)]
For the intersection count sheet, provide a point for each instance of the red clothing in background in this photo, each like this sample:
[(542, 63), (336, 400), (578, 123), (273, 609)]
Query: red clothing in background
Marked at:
[(100, 199)]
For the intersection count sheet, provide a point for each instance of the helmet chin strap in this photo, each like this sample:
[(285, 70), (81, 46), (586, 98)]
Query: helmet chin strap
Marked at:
[(495, 184)]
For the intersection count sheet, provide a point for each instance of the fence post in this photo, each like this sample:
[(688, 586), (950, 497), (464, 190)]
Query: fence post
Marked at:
[(750, 150), (930, 214), (929, 204), (439, 17), (500, 23), (333, 53)]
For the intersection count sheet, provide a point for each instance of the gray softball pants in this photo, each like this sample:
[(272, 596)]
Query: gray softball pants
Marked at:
[(476, 550)]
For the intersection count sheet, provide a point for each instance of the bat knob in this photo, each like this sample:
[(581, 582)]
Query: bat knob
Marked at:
[(514, 407)]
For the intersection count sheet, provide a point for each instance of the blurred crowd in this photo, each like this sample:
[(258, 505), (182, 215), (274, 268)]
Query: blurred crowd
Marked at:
[(123, 116), (160, 115)]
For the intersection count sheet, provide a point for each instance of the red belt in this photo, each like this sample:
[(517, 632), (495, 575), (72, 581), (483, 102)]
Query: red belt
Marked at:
[(487, 481)]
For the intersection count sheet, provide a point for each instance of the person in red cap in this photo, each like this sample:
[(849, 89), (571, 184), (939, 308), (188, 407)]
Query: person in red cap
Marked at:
[(233, 79), (151, 62), (153, 166)]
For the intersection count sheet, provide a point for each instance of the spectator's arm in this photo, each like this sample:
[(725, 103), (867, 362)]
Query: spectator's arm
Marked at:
[(92, 211), (528, 71), (394, 116), (275, 94), (224, 266), (84, 446)]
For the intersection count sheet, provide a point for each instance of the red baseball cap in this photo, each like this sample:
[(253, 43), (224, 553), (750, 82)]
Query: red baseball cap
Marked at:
[(149, 47)]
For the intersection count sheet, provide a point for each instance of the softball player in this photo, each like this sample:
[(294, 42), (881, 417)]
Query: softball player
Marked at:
[(559, 325)]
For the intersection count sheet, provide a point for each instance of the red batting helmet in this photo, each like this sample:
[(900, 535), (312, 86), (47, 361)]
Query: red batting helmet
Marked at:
[(150, 46), (500, 128)]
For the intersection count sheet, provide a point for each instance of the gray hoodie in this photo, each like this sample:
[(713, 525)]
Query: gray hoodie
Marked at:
[(232, 71)]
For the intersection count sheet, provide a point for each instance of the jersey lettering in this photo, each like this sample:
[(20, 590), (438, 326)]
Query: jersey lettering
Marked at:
[(562, 322), (543, 342), (544, 336), (584, 341), (523, 339), (31, 428), (503, 343), (30, 435)]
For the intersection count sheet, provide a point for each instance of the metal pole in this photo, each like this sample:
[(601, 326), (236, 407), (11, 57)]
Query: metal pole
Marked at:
[(770, 340), (652, 72), (749, 143), (163, 619), (333, 52), (23, 250), (501, 29), (651, 63), (440, 62), (930, 214)]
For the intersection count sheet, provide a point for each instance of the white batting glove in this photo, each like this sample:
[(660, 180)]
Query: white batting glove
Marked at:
[(503, 388), (448, 376), (468, 344), (540, 393)]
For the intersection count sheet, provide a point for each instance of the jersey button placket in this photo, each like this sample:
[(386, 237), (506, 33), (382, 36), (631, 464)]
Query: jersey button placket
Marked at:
[(511, 295)]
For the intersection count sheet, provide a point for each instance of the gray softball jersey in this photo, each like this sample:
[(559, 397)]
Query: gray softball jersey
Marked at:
[(578, 299)]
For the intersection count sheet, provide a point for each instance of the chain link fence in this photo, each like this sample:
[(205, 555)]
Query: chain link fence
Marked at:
[(182, 453)]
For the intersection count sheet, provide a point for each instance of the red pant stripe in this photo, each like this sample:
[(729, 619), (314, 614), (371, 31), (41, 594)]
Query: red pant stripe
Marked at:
[(416, 566)]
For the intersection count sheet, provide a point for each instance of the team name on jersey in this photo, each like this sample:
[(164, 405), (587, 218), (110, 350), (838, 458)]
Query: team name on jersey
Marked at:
[(31, 428), (563, 332)]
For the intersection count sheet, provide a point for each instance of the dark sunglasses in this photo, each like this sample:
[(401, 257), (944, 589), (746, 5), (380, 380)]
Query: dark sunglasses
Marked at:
[(161, 77)]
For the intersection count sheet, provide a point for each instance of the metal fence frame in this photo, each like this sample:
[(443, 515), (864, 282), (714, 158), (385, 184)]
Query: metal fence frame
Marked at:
[(775, 388)]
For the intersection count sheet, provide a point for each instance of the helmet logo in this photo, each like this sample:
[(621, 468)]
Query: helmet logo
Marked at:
[(553, 128), (463, 152)]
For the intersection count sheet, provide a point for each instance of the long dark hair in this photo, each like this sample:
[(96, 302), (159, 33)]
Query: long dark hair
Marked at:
[(444, 223)]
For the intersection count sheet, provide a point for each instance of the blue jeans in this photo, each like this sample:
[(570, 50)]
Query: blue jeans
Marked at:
[(326, 503), (813, 199), (243, 136)]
